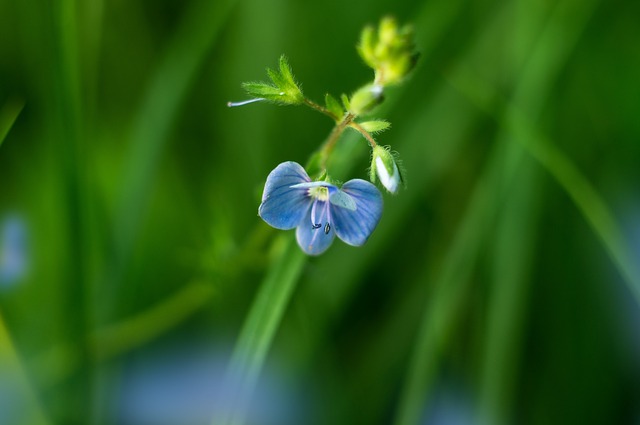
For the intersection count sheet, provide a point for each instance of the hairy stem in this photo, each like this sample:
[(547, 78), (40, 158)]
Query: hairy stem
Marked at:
[(333, 138), (365, 133)]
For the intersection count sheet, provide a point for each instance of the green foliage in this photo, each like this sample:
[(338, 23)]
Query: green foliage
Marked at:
[(284, 90)]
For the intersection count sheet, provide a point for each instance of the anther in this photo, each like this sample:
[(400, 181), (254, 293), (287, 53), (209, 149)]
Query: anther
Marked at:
[(327, 227), (316, 226)]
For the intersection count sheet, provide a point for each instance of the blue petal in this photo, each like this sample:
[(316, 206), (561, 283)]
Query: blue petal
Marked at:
[(355, 226), (318, 183), (284, 207), (315, 241)]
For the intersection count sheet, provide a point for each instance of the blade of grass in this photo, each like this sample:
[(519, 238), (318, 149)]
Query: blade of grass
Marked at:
[(12, 371), (78, 393), (586, 198), (8, 116), (259, 329), (514, 241)]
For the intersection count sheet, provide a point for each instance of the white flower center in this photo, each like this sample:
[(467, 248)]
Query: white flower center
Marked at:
[(321, 193)]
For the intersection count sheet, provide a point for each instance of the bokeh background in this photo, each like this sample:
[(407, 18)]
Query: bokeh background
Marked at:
[(501, 286)]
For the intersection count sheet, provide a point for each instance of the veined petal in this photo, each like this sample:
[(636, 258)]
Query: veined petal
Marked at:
[(318, 183), (284, 206), (355, 226), (343, 200), (315, 237)]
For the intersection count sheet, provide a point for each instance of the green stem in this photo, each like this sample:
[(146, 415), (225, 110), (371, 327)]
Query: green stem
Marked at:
[(344, 123), (333, 138), (365, 133), (321, 109)]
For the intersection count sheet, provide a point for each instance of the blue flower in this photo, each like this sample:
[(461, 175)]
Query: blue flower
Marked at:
[(319, 210)]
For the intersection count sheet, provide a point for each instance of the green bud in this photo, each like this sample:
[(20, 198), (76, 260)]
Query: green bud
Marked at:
[(365, 99), (384, 165), (390, 51)]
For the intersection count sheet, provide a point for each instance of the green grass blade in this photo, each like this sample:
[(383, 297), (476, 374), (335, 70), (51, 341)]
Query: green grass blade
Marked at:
[(259, 329), (14, 374), (588, 201), (8, 115)]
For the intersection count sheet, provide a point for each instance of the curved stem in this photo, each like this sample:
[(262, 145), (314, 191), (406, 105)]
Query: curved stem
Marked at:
[(333, 138), (321, 109), (365, 133)]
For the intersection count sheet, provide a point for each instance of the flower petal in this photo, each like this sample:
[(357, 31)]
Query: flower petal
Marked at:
[(315, 238), (284, 206), (355, 226), (319, 183), (341, 199)]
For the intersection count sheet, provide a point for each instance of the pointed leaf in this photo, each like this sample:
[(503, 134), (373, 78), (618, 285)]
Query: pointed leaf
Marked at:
[(346, 102), (258, 89), (333, 106), (285, 71), (277, 79), (375, 126)]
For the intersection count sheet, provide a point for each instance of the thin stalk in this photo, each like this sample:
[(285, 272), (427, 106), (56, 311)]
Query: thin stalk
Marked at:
[(351, 123), (334, 136), (321, 109), (365, 133)]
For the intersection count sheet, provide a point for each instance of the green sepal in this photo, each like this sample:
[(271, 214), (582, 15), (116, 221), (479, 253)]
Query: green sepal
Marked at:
[(346, 102), (334, 106), (283, 91), (258, 89), (375, 126)]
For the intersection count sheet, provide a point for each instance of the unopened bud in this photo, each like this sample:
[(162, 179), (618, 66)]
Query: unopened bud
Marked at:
[(365, 99), (384, 165)]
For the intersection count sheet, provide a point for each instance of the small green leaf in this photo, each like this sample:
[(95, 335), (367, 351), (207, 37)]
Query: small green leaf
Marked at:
[(285, 71), (346, 102), (278, 80), (257, 89), (8, 115), (333, 106), (375, 126)]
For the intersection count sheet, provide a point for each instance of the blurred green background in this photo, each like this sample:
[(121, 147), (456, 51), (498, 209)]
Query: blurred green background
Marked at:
[(501, 286)]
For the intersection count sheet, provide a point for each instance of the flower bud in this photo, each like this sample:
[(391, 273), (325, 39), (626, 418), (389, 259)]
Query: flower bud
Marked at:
[(390, 51), (365, 99), (384, 165)]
